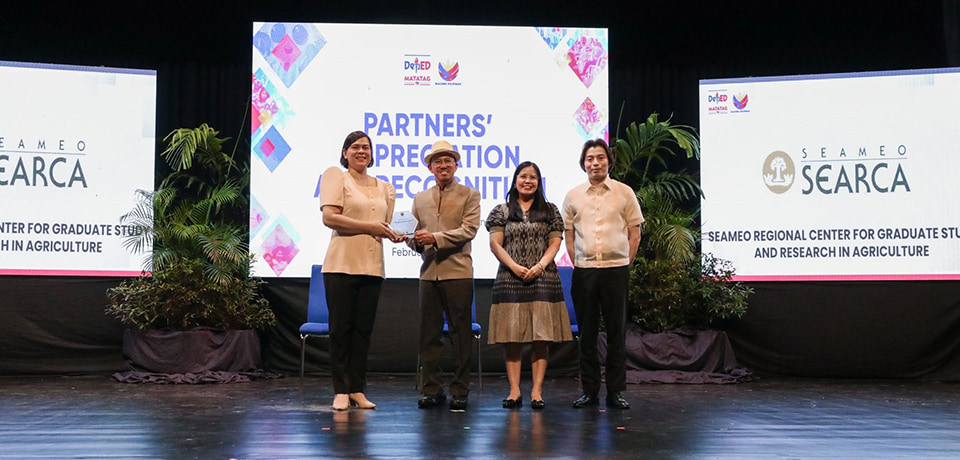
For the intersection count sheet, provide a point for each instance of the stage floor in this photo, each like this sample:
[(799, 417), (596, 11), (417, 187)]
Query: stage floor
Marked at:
[(95, 417)]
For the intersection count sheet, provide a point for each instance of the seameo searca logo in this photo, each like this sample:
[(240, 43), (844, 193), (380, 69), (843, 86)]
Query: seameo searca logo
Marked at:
[(778, 172)]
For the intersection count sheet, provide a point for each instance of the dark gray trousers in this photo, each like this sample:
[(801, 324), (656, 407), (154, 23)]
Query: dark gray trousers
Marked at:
[(454, 299)]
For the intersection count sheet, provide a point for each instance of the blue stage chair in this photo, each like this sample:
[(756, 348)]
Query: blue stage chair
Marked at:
[(477, 333), (566, 280), (318, 317)]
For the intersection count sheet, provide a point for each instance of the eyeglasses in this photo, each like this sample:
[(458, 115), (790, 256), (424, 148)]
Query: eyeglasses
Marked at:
[(443, 160), (360, 147), (527, 177)]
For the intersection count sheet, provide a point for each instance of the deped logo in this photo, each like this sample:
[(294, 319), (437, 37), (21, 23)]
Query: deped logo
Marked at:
[(716, 98), (416, 65)]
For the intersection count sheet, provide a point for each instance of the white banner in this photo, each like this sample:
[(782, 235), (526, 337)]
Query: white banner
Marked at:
[(75, 144), (500, 95), (833, 177)]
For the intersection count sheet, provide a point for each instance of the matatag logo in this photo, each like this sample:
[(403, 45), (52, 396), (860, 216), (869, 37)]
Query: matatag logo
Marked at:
[(778, 172), (416, 69), (717, 102)]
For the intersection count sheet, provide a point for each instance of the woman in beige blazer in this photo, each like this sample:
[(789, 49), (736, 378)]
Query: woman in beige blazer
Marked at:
[(357, 207)]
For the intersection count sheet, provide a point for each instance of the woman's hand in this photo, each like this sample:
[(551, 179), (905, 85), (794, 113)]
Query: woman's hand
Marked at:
[(533, 272), (382, 230), (397, 237), (520, 271)]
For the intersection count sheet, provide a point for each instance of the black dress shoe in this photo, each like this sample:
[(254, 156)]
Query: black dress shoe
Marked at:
[(513, 403), (615, 400), (537, 404), (428, 401), (586, 400), (458, 403)]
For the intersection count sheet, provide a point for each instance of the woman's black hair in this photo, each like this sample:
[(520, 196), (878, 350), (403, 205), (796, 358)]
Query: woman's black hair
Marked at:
[(351, 138), (539, 210)]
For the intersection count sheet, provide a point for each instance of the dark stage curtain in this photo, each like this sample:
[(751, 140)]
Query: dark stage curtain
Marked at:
[(57, 325), (837, 329), (852, 329), (393, 348), (951, 31), (218, 94)]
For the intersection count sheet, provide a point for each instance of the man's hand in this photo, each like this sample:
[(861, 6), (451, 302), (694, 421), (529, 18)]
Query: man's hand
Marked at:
[(424, 238)]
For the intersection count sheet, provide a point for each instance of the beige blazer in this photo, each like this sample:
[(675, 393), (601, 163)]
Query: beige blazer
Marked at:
[(452, 216), (358, 254)]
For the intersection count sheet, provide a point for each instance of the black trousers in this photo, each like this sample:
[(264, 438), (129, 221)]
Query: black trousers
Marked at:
[(597, 291), (352, 301), (453, 298)]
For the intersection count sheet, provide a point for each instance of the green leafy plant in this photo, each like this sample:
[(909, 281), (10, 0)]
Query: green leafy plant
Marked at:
[(672, 285), (670, 231), (180, 297), (196, 224), (669, 294)]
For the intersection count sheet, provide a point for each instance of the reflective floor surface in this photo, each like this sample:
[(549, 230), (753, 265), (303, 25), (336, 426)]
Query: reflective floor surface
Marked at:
[(95, 417)]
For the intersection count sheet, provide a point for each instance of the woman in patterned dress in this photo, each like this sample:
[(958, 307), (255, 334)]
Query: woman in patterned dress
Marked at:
[(528, 306)]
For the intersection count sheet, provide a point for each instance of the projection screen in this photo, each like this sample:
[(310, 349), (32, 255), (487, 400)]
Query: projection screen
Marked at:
[(75, 145), (500, 95), (833, 177)]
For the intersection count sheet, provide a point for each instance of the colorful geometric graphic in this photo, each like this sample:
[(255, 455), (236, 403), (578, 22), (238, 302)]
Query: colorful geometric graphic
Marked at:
[(288, 48), (587, 56), (258, 217), (589, 120), (280, 246), (268, 107), (271, 149), (551, 35), (448, 71), (740, 101)]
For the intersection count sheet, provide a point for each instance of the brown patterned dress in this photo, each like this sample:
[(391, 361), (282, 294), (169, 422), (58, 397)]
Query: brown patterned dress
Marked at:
[(527, 311)]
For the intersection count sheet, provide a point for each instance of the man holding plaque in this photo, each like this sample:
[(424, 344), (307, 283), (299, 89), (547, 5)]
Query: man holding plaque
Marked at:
[(448, 215)]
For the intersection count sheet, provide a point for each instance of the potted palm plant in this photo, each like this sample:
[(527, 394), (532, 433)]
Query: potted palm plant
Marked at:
[(676, 293), (195, 308)]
